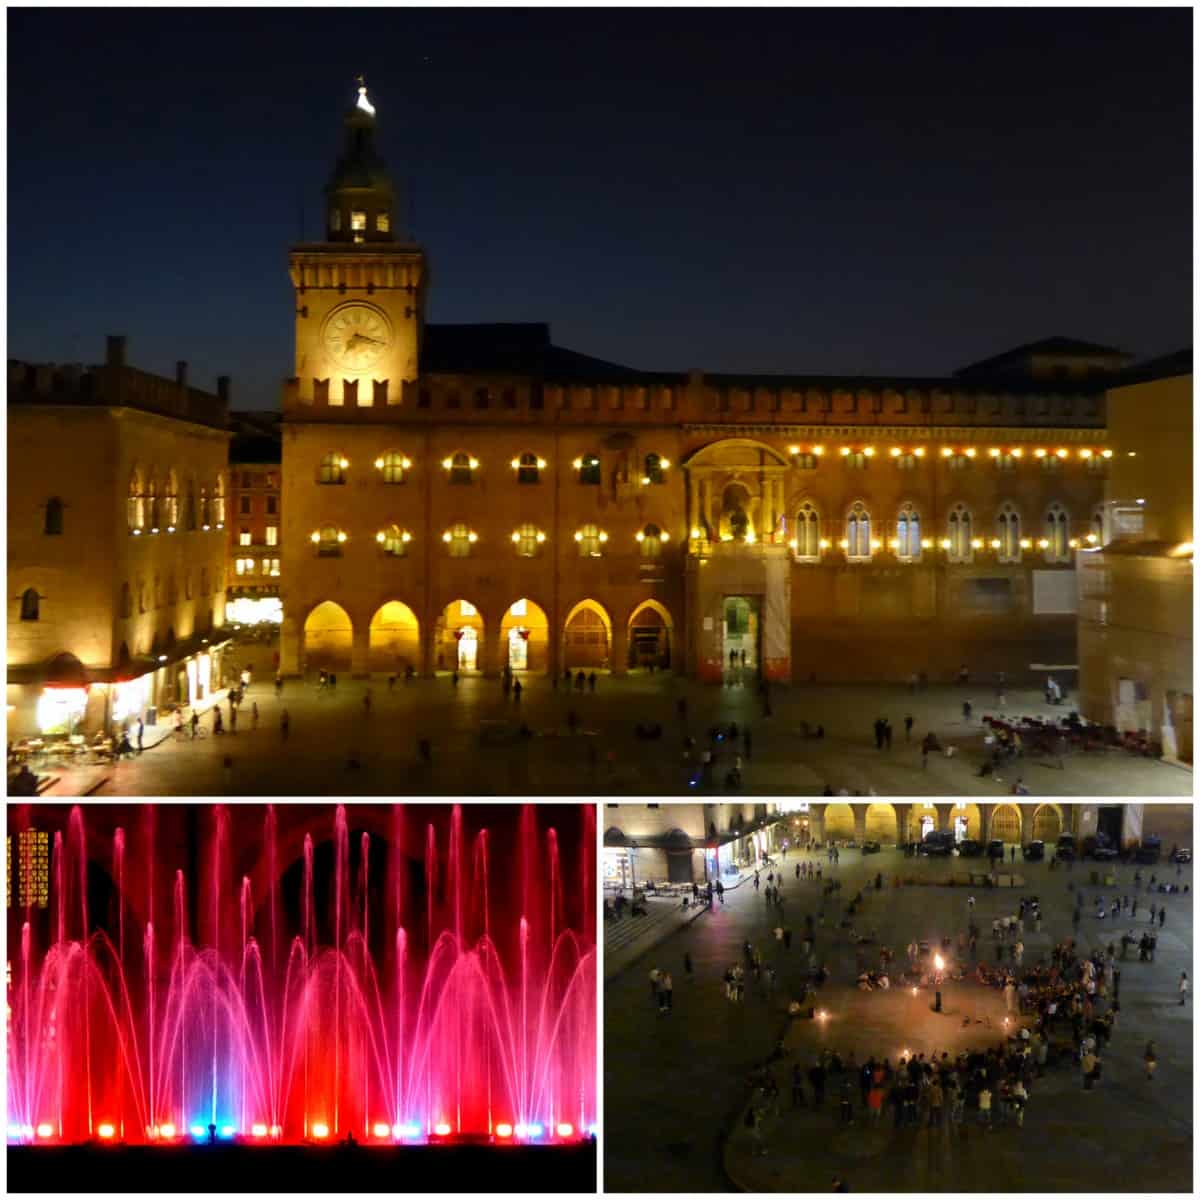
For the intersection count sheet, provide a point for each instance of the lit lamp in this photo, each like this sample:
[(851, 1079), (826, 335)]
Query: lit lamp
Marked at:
[(664, 536), (1039, 453), (793, 544), (927, 543), (1017, 453), (1061, 453), (516, 537), (1085, 454), (473, 463), (578, 536), (381, 537), (696, 533), (869, 451), (844, 451), (919, 452), (515, 464), (343, 463), (1026, 543), (603, 536), (977, 543), (639, 536), (793, 450), (970, 452), (446, 536), (895, 451), (472, 537), (316, 537), (818, 451), (541, 537), (663, 463), (1092, 539), (995, 543), (578, 464), (447, 463), (541, 462), (1106, 454), (945, 543), (824, 543), (379, 464), (993, 453), (406, 536), (946, 451), (341, 535), (844, 543)]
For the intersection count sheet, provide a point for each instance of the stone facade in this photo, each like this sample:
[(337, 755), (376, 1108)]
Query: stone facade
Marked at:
[(828, 528), (116, 542), (255, 517)]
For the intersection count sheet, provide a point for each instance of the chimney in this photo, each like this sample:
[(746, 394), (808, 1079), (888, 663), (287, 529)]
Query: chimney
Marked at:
[(116, 350), (181, 374), (223, 383)]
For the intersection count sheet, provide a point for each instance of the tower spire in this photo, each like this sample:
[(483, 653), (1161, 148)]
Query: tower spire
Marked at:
[(360, 195)]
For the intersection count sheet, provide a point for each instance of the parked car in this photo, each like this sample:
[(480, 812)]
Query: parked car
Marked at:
[(1034, 852), (1065, 850), (995, 848), (938, 842), (1182, 855), (870, 847), (970, 848)]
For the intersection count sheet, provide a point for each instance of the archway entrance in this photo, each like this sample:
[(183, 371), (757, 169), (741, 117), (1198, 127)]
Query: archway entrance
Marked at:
[(458, 639), (328, 638), (395, 639), (839, 822), (922, 819), (740, 637), (965, 821), (1047, 823), (525, 637), (881, 824), (650, 628), (1006, 824), (587, 637)]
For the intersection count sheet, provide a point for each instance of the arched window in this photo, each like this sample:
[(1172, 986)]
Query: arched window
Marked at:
[(529, 468), (153, 509), (652, 470), (203, 581), (958, 544), (908, 534), (589, 469), (1008, 533), (172, 596), (392, 467), (328, 540), (189, 516), (461, 466), (393, 541), (808, 533), (1004, 461), (205, 509), (219, 500), (30, 604), (858, 532), (1096, 534), (527, 538), (805, 461), (651, 540), (590, 539), (957, 461), (141, 595), (856, 460), (459, 539), (906, 461), (187, 586), (332, 469), (54, 517), (135, 509), (1058, 535), (171, 501), (1051, 462)]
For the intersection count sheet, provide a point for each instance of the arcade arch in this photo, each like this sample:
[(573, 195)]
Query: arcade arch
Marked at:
[(394, 639), (328, 639), (1006, 824), (587, 637), (1047, 823), (458, 638), (882, 824), (650, 635), (839, 822), (525, 637)]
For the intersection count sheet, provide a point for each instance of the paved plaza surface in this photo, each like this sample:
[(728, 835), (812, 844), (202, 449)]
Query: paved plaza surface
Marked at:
[(676, 1086), (476, 749)]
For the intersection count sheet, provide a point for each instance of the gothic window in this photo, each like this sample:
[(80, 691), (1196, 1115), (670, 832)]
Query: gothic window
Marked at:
[(135, 509), (590, 540), (30, 605), (332, 469), (358, 221), (392, 467), (1058, 535), (383, 223), (651, 541), (528, 468), (856, 460), (190, 513), (152, 505), (906, 462), (54, 517), (527, 538), (205, 517), (589, 469), (1096, 534), (653, 468), (908, 534), (1004, 461), (329, 540), (858, 532), (808, 533), (805, 461), (461, 467), (219, 500), (1051, 463), (458, 539), (1008, 533), (171, 501), (957, 462), (958, 544), (393, 541)]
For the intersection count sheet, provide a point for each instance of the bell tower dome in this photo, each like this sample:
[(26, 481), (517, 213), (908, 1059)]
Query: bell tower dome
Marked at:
[(361, 200)]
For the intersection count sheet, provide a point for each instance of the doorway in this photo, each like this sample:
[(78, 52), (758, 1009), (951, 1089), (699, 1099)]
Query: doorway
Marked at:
[(927, 826), (518, 649), (960, 829), (740, 641), (468, 649)]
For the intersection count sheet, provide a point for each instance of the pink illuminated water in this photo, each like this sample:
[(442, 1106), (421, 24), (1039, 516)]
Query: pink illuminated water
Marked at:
[(464, 1002)]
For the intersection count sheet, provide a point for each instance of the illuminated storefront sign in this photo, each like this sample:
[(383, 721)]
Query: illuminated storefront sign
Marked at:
[(254, 610)]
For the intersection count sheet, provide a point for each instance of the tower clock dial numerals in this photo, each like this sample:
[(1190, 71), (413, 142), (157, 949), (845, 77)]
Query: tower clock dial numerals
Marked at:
[(355, 336)]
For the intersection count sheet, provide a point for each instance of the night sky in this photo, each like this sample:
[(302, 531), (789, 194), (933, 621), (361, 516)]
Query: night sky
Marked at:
[(808, 191)]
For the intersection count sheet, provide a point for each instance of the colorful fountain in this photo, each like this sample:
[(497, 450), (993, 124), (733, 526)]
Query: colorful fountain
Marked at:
[(405, 978)]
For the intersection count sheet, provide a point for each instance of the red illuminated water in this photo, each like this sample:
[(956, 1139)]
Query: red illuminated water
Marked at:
[(339, 1004)]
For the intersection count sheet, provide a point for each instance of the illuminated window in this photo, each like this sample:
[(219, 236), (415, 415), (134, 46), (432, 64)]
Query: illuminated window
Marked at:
[(244, 537), (589, 539), (205, 511), (54, 517), (33, 868), (905, 462), (460, 468), (958, 462), (272, 535), (1008, 531), (219, 500), (332, 469), (135, 508), (1051, 464), (458, 541), (1058, 535), (190, 512), (653, 468), (908, 534), (651, 542), (528, 469), (272, 506), (244, 566), (270, 566), (392, 466), (358, 221), (527, 538), (394, 542), (329, 541), (808, 533), (171, 500), (960, 549), (383, 223), (858, 532), (1005, 462), (589, 469), (30, 604), (805, 462), (152, 507), (856, 460)]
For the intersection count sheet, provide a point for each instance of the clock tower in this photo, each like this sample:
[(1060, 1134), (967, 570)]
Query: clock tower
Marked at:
[(360, 293)]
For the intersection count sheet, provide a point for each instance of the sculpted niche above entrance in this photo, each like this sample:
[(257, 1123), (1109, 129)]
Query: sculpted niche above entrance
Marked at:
[(736, 492)]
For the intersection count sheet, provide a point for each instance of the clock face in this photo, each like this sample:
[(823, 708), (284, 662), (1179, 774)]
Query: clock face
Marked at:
[(355, 336)]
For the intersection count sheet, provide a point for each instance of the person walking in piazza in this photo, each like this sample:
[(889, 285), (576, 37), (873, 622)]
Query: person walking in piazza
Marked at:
[(1183, 988), (666, 988), (655, 984), (1150, 1058)]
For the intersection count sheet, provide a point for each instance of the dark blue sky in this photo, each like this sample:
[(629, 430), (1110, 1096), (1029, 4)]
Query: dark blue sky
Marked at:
[(811, 191)]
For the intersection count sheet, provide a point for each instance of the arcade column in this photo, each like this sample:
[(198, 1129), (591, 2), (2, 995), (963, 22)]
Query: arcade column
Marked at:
[(429, 635), (816, 822), (860, 822), (620, 647), (903, 816), (490, 662), (1026, 810), (289, 646), (985, 822), (360, 650), (945, 815)]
